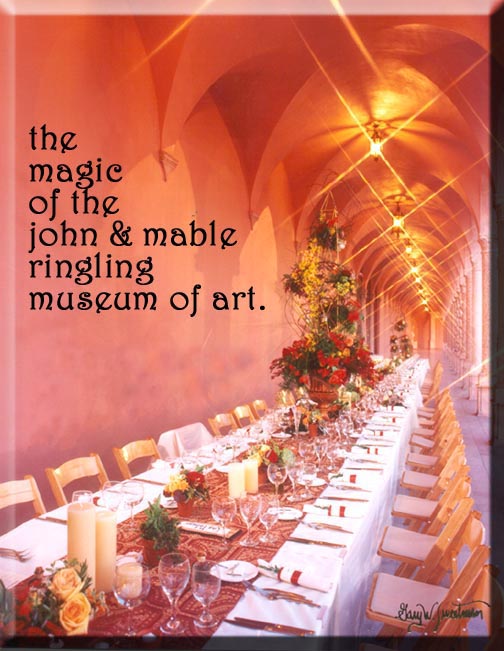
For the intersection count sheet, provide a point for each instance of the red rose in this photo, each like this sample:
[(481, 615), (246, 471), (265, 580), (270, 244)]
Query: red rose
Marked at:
[(195, 478), (271, 456)]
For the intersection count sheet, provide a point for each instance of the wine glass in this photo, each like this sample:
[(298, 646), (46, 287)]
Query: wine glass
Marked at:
[(133, 494), (111, 494), (206, 585), (249, 511), (320, 447), (223, 511), (268, 515), (131, 586), (277, 474), (296, 414), (305, 449), (173, 571), (295, 471)]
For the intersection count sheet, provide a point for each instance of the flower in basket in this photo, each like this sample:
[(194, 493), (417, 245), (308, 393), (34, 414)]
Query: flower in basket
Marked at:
[(187, 485), (61, 597), (271, 452)]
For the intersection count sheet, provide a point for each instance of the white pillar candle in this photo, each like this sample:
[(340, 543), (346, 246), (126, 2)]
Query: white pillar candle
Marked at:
[(106, 549), (251, 470), (81, 535), (129, 580), (236, 479)]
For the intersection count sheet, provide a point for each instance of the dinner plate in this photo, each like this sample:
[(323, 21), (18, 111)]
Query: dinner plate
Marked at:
[(288, 513), (168, 503), (318, 481), (235, 571), (281, 435)]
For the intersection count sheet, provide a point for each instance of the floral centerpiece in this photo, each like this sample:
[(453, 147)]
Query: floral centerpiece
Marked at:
[(323, 297), (61, 599), (186, 487), (271, 452)]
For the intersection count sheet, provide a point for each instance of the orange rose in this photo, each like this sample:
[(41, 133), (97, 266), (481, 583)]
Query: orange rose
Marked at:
[(74, 614), (65, 583)]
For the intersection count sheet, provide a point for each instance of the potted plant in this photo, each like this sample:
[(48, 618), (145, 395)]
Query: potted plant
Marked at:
[(159, 531)]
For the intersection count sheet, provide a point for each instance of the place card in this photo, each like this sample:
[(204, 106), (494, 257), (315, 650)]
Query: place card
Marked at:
[(208, 529)]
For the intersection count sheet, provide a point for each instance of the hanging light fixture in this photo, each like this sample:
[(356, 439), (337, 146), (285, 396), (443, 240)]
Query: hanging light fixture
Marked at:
[(375, 132), (398, 219)]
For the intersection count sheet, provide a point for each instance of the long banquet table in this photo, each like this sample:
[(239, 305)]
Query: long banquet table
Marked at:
[(349, 567)]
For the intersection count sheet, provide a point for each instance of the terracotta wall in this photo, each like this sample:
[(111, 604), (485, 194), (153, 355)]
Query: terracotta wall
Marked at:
[(87, 381)]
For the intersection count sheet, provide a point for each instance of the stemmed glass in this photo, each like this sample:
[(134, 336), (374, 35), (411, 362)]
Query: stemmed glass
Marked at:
[(133, 494), (206, 585), (320, 447), (131, 586), (277, 474), (173, 570), (295, 471), (296, 414), (268, 515), (223, 511), (111, 494), (249, 511), (309, 476), (305, 449), (82, 496)]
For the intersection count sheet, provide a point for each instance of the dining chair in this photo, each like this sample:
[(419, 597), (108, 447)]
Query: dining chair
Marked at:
[(74, 469), (258, 408), (176, 442), (437, 457), (428, 515), (132, 451), (425, 554), (222, 424), (243, 415), (393, 599), (431, 485), (19, 491)]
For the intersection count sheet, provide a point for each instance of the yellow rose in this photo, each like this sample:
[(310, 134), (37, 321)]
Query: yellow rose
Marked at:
[(74, 614), (178, 483), (65, 583)]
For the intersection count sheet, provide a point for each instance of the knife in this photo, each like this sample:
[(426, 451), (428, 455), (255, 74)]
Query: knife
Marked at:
[(361, 468), (269, 626), (49, 518), (341, 499), (280, 594), (151, 481), (304, 541), (323, 525)]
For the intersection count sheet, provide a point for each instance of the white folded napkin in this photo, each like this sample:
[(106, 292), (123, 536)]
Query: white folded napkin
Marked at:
[(294, 576), (336, 509)]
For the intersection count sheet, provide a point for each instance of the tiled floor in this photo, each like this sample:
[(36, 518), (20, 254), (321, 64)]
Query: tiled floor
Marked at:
[(476, 433)]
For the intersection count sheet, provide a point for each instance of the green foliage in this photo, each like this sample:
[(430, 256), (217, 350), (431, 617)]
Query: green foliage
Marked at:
[(160, 527)]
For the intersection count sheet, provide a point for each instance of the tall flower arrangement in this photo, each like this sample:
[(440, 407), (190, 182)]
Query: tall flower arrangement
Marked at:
[(322, 294)]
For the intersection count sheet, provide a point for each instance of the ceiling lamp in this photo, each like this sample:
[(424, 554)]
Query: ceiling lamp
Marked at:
[(375, 133), (408, 246), (398, 221)]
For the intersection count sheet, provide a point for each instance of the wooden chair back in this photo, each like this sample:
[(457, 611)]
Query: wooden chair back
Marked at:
[(449, 542), (20, 491), (243, 415), (455, 461), (132, 451), (74, 469), (221, 424), (458, 488), (258, 408)]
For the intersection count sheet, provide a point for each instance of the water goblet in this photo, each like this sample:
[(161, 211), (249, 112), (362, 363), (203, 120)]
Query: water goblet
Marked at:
[(174, 571), (223, 511), (296, 414), (133, 494), (82, 496), (333, 453), (309, 476), (320, 447), (206, 585), (277, 474), (249, 511), (131, 587), (111, 494), (295, 471), (306, 450), (268, 515)]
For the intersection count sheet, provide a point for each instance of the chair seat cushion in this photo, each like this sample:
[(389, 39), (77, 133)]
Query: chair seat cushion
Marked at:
[(421, 441), (408, 544), (391, 592), (416, 507), (424, 431), (419, 479), (426, 460)]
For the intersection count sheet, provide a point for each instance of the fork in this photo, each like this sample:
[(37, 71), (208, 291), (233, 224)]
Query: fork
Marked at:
[(231, 569), (21, 556)]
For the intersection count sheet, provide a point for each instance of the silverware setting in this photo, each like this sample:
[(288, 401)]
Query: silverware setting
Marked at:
[(269, 626), (21, 556), (320, 525), (273, 594), (230, 570)]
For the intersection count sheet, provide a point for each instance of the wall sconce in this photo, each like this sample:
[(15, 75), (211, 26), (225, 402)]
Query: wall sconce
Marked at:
[(375, 133)]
